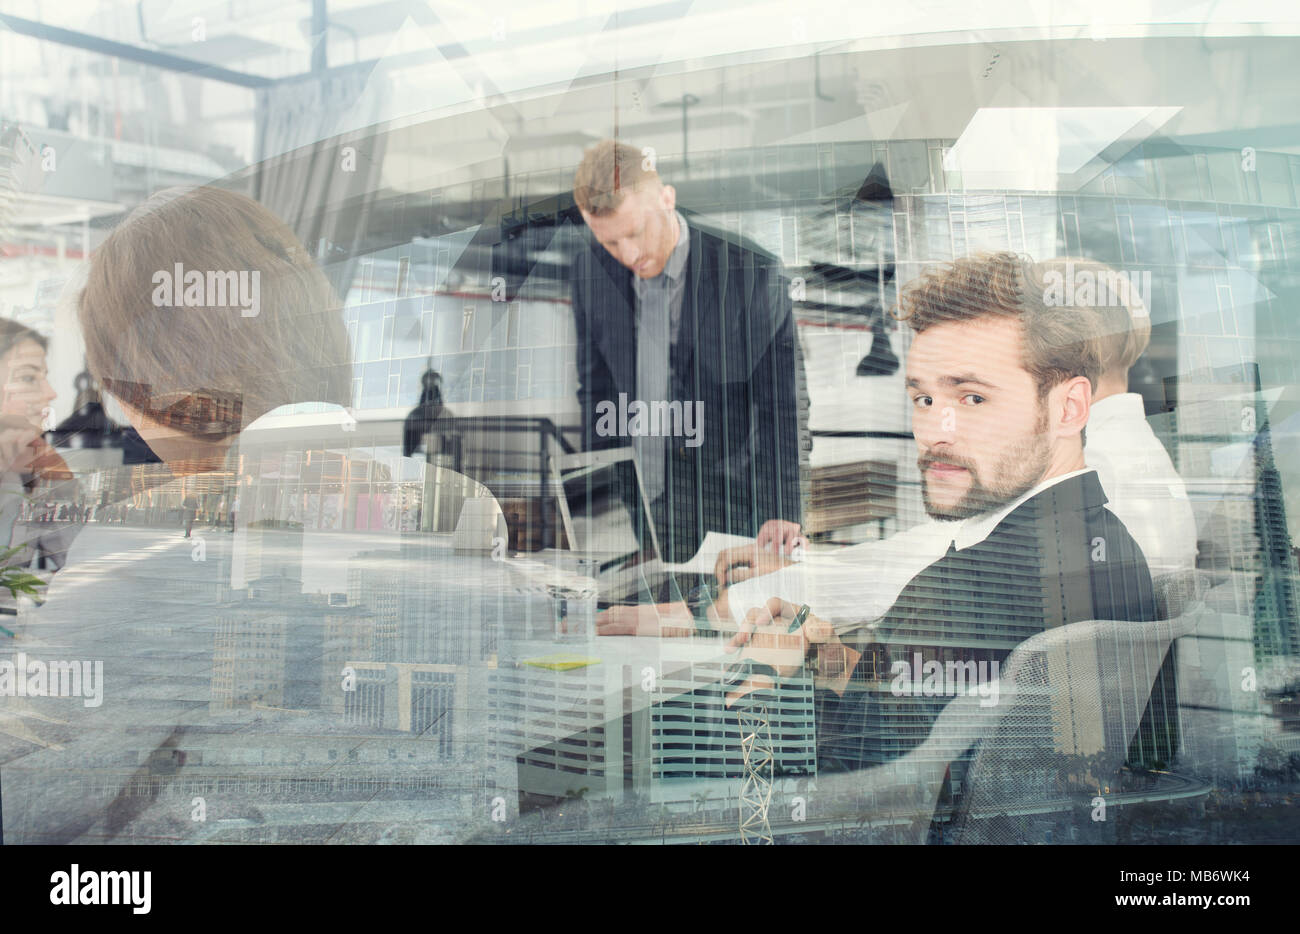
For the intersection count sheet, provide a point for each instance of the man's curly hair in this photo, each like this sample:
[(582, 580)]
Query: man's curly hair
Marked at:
[(1060, 343)]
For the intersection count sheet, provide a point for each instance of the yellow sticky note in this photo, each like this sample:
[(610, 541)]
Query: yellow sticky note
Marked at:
[(561, 662)]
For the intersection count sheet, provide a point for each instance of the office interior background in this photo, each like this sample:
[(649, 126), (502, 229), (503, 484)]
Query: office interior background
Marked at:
[(424, 152)]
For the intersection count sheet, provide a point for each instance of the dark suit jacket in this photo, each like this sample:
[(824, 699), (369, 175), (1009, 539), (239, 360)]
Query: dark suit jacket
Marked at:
[(736, 352), (1060, 557)]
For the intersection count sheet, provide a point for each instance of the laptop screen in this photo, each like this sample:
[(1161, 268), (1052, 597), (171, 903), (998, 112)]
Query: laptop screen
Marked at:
[(607, 515)]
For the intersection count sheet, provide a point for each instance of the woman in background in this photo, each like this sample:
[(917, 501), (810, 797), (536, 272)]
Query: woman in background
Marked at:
[(26, 461)]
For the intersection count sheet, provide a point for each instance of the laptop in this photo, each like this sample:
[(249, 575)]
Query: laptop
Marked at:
[(607, 520)]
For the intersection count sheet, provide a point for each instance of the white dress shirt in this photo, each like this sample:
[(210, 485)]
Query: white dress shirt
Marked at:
[(859, 584), (1140, 481)]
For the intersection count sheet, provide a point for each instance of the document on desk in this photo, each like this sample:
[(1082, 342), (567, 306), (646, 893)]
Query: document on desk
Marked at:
[(703, 561)]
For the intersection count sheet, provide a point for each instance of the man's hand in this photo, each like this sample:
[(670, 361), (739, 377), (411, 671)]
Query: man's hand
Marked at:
[(765, 638), (767, 627), (745, 561), (667, 620), (780, 536), (19, 443)]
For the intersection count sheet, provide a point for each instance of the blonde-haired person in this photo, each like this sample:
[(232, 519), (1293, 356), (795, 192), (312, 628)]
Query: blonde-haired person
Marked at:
[(196, 360), (246, 406), (1136, 471), (191, 374)]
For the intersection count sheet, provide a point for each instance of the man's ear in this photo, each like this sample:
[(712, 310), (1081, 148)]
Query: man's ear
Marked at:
[(668, 197), (1075, 405)]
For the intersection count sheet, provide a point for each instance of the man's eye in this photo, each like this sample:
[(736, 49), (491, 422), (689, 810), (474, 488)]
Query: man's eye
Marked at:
[(922, 402), (972, 398)]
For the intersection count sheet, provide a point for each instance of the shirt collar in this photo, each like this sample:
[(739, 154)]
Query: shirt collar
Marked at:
[(972, 531), (298, 415), (1124, 405), (676, 264)]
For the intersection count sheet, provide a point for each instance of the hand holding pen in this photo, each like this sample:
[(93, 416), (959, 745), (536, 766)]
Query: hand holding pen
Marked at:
[(774, 641)]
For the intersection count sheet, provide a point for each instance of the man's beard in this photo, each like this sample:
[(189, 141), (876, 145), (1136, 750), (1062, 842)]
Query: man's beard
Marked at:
[(1018, 471)]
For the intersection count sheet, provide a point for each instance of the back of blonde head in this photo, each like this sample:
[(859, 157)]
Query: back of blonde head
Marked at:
[(208, 370)]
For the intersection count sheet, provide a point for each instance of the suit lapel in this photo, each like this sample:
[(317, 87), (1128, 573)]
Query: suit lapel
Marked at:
[(699, 281), (612, 307)]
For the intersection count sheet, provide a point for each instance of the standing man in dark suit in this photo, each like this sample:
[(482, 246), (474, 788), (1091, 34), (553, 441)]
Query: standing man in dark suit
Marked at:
[(686, 351)]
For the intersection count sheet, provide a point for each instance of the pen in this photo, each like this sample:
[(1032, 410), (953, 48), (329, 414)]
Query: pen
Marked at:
[(800, 618), (733, 671)]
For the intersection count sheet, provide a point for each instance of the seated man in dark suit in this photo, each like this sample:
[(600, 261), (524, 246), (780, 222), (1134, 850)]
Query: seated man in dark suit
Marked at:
[(1001, 385), (686, 352)]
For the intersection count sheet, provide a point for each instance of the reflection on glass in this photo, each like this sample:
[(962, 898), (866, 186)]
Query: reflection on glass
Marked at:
[(585, 359)]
